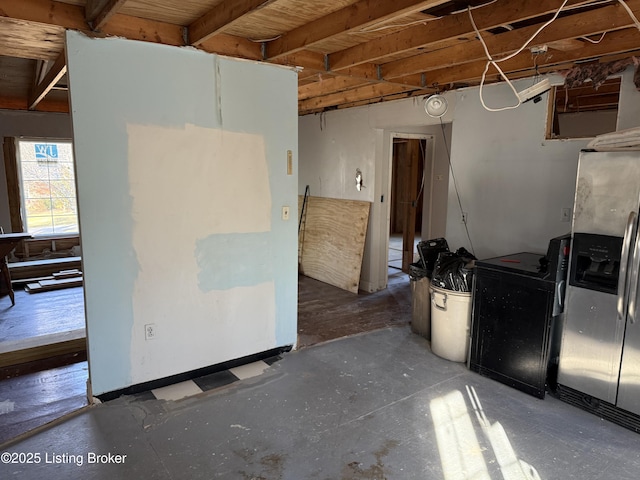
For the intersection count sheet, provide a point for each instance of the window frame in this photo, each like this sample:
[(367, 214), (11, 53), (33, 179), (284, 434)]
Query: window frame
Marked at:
[(552, 114), (19, 203)]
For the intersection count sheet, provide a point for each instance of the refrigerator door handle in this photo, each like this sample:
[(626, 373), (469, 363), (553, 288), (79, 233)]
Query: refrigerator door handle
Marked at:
[(623, 287), (633, 279)]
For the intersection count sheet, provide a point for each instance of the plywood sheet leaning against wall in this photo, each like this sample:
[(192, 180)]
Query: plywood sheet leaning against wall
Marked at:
[(331, 240)]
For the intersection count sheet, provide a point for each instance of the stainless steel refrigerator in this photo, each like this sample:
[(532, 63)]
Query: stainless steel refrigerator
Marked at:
[(599, 366)]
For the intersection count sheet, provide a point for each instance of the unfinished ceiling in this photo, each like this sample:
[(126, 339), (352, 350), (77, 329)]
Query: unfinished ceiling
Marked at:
[(350, 52)]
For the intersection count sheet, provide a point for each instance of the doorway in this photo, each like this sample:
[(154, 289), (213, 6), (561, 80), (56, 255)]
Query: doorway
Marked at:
[(43, 350), (410, 180)]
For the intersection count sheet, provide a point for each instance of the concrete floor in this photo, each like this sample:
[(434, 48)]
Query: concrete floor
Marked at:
[(377, 406)]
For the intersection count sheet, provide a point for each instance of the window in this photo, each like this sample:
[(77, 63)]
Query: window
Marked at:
[(583, 112), (48, 187)]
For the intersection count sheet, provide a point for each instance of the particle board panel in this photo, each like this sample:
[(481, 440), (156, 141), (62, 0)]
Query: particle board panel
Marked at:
[(332, 241)]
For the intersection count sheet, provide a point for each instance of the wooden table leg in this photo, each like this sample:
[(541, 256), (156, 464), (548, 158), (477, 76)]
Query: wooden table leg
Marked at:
[(7, 278)]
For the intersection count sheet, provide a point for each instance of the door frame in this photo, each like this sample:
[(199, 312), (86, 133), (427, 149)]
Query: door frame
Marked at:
[(427, 195)]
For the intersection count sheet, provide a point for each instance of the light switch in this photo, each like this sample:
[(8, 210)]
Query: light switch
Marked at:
[(285, 213), (289, 162)]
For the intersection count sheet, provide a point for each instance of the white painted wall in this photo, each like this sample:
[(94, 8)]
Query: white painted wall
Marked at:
[(629, 103), (512, 182), (15, 123), (181, 168), (334, 144)]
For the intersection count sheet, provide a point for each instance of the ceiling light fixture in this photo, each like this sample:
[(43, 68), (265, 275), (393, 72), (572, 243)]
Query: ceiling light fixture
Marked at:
[(436, 106)]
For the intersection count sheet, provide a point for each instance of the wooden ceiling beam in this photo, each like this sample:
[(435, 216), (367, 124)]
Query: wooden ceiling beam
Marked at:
[(608, 87), (614, 43), (330, 85), (354, 17), (446, 28), (313, 63), (12, 103), (98, 12), (363, 93), (53, 76), (618, 45), (233, 46), (611, 17), (57, 15), (47, 12), (222, 16), (22, 39), (591, 101)]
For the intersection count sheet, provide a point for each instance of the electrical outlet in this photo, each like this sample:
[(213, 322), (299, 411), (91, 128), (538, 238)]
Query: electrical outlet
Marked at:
[(150, 331), (285, 213)]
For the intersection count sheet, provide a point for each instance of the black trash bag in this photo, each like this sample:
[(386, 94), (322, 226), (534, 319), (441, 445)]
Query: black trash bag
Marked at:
[(429, 251), (454, 271), (416, 272)]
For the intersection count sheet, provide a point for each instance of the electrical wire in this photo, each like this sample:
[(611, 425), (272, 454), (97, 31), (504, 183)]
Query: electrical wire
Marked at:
[(263, 40), (473, 8), (630, 12), (455, 187), (492, 61), (595, 41)]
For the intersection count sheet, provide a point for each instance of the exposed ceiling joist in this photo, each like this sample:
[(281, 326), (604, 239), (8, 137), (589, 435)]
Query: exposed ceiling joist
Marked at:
[(627, 40), (22, 39), (221, 17), (60, 16), (449, 27), (368, 92), (98, 12), (351, 52), (612, 17), (354, 17), (53, 76), (332, 85), (616, 42)]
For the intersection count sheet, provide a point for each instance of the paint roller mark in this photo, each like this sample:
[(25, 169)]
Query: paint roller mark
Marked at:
[(7, 407), (233, 260)]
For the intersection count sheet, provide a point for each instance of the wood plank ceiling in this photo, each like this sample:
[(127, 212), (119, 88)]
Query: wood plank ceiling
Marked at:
[(350, 52)]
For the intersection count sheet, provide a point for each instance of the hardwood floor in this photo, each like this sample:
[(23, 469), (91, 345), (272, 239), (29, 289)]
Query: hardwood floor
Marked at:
[(33, 400), (43, 330), (326, 312), (43, 368), (45, 313)]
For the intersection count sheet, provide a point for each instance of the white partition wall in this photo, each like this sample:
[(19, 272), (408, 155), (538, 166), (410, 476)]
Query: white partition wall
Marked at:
[(182, 176)]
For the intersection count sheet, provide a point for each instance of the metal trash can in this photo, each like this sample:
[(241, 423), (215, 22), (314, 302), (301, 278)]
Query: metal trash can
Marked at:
[(450, 323), (420, 301), (420, 274)]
